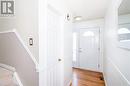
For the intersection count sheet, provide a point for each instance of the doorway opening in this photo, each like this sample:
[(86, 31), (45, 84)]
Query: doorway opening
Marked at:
[(86, 49)]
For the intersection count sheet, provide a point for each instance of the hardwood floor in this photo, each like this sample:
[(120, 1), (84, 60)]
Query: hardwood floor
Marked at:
[(87, 78)]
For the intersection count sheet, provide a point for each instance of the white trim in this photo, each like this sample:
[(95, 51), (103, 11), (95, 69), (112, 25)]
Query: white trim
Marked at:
[(18, 79), (119, 72), (7, 31), (69, 83), (105, 79), (29, 52), (25, 47), (88, 69), (100, 57), (117, 69), (12, 69), (42, 32), (7, 67)]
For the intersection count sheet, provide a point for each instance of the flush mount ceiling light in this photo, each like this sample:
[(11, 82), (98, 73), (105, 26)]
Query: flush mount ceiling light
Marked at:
[(78, 18)]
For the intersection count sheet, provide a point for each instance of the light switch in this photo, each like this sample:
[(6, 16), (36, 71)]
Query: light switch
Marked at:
[(31, 41)]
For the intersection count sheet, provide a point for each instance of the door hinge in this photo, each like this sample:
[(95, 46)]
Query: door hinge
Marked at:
[(99, 49), (99, 31), (98, 65)]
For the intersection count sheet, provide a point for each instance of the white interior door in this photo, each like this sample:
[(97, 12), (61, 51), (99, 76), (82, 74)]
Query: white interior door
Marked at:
[(54, 64), (89, 49)]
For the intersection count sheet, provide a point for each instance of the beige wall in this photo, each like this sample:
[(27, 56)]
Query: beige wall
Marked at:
[(13, 53), (25, 22)]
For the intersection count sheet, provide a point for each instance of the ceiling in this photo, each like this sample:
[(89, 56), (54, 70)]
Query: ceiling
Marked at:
[(124, 7), (88, 9)]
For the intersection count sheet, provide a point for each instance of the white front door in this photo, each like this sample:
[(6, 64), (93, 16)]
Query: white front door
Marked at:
[(54, 51), (89, 49)]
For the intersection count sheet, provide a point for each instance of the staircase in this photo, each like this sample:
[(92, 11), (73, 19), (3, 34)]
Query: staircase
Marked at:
[(8, 77), (19, 67)]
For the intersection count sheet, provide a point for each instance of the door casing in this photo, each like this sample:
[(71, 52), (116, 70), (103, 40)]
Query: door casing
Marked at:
[(100, 48)]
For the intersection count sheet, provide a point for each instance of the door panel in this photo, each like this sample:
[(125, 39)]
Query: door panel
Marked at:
[(89, 49), (53, 48)]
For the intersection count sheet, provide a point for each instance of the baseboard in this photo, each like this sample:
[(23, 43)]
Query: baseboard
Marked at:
[(88, 69), (25, 47), (70, 83), (117, 77), (105, 79), (120, 72)]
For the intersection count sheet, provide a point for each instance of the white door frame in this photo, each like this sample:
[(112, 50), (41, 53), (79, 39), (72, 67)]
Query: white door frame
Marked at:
[(100, 47)]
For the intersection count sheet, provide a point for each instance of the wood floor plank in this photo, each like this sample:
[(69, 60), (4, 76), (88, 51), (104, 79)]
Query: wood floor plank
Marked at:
[(87, 78)]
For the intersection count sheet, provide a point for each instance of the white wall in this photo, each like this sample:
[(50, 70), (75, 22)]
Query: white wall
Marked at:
[(116, 60), (68, 52), (25, 21), (88, 24), (124, 19)]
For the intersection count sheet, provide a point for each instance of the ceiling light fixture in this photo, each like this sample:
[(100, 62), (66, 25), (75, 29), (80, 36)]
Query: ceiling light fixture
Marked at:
[(77, 18)]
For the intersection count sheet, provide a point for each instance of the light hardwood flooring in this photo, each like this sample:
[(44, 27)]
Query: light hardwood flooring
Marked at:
[(87, 78)]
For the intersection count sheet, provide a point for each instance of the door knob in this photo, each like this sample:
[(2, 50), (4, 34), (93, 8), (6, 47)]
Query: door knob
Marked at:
[(59, 60), (80, 51)]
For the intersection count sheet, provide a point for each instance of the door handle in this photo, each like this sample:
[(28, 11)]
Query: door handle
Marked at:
[(59, 60), (80, 51)]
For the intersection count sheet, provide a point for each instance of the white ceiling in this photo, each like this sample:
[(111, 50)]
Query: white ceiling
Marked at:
[(88, 9), (124, 7)]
